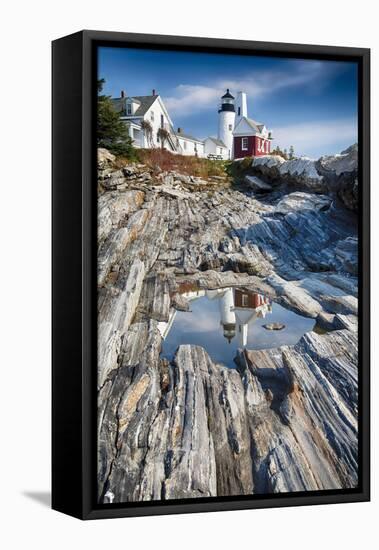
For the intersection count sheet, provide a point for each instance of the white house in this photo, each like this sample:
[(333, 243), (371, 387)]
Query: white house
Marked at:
[(216, 147), (134, 110), (190, 145)]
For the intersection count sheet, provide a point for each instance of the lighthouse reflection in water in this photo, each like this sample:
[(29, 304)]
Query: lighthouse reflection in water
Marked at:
[(225, 320)]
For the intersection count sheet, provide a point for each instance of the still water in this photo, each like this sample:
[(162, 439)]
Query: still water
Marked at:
[(225, 320)]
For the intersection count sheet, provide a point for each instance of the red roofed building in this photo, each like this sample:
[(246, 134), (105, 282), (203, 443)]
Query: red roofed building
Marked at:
[(250, 138)]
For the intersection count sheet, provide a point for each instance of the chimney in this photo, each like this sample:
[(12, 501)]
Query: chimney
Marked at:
[(122, 93), (241, 106), (180, 130), (154, 92)]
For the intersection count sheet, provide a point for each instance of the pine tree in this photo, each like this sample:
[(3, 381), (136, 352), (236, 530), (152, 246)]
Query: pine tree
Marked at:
[(112, 133), (291, 153)]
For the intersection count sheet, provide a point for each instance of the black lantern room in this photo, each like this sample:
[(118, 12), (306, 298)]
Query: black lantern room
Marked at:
[(229, 331), (227, 102)]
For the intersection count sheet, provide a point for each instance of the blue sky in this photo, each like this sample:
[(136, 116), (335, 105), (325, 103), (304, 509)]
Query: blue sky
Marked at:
[(309, 104)]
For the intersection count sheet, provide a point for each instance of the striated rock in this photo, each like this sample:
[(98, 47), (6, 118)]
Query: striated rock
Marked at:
[(111, 251), (286, 418), (333, 174), (341, 174), (193, 428), (104, 157), (192, 435), (344, 163), (298, 202), (154, 302), (305, 435), (257, 184), (113, 209), (268, 164), (116, 310), (301, 172), (347, 254)]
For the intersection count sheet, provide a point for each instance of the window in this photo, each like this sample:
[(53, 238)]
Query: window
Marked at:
[(162, 121), (220, 151), (152, 116), (245, 143), (128, 108), (230, 127), (245, 300), (184, 145), (239, 111)]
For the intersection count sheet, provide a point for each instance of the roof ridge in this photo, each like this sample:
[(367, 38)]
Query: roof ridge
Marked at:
[(216, 140)]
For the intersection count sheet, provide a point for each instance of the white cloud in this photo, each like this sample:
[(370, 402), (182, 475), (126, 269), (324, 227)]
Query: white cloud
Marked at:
[(255, 84), (319, 136), (187, 96)]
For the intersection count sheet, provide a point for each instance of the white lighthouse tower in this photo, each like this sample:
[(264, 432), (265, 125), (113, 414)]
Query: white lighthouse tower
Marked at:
[(226, 119), (227, 316)]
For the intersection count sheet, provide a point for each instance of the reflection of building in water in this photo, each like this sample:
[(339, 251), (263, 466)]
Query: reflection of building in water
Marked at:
[(248, 306), (227, 316), (238, 308)]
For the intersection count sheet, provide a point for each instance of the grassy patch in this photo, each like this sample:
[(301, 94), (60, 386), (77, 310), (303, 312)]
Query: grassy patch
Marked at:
[(160, 159), (239, 169)]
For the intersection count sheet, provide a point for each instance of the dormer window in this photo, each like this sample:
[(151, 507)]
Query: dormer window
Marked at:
[(128, 109)]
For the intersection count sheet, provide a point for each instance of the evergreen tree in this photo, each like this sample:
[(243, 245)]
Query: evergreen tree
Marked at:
[(291, 153), (278, 151), (112, 133)]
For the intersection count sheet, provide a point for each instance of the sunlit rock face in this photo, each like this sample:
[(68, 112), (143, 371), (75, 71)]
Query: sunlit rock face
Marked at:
[(336, 175), (185, 424)]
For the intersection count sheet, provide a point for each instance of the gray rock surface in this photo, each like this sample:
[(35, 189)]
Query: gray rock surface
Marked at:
[(286, 418), (336, 175), (104, 158), (257, 185), (341, 174), (300, 172)]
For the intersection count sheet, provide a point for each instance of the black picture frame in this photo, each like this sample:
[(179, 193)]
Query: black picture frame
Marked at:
[(74, 274)]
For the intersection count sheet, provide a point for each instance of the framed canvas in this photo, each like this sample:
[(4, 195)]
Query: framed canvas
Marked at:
[(210, 275)]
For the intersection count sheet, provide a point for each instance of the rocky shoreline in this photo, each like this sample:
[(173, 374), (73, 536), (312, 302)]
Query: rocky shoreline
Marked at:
[(286, 418)]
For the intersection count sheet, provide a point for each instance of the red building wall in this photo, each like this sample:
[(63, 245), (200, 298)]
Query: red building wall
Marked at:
[(252, 300), (252, 147)]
